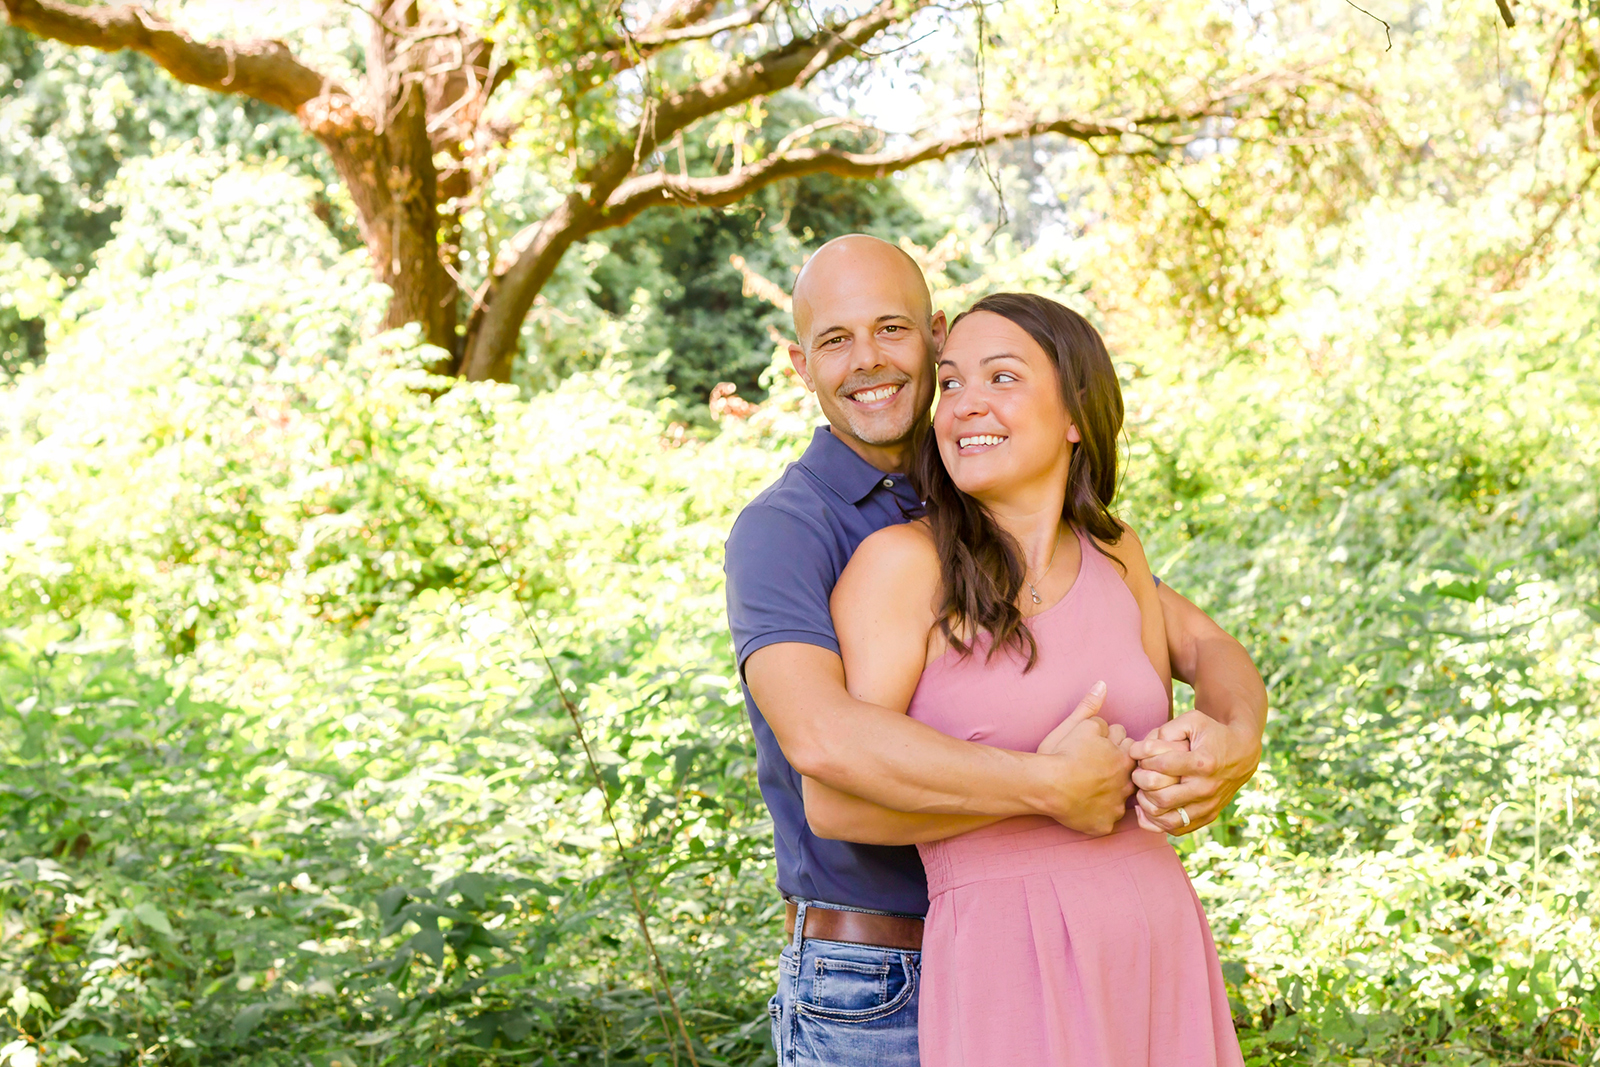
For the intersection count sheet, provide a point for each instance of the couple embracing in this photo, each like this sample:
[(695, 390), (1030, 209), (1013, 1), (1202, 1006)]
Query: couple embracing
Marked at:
[(959, 670)]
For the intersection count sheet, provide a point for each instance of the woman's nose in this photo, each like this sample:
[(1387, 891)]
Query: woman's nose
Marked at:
[(971, 403)]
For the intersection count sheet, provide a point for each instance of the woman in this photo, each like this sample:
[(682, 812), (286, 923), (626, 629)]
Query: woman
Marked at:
[(1019, 591)]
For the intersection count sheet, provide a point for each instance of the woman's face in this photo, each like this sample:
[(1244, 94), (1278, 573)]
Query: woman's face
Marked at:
[(1001, 425)]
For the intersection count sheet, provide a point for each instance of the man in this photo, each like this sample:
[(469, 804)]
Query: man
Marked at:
[(866, 339)]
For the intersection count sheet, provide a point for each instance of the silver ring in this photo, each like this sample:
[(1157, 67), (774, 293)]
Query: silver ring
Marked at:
[(1183, 815)]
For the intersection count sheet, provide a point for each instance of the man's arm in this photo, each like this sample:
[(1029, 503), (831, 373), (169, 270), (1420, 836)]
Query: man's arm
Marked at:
[(894, 762), (778, 605), (837, 815), (1222, 734)]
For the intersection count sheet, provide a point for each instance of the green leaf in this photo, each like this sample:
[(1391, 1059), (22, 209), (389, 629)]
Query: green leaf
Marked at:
[(101, 1043), (153, 917), (248, 1019), (516, 1026), (389, 901), (473, 886), (430, 943)]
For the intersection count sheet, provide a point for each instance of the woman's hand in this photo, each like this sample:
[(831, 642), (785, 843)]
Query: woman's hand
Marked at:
[(1100, 765)]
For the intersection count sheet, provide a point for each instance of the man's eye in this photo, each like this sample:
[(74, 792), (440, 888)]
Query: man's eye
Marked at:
[(832, 340), (893, 329)]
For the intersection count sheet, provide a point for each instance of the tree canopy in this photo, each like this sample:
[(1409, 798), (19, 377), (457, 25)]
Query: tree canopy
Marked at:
[(421, 108)]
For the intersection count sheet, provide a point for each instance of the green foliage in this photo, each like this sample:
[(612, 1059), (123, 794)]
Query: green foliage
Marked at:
[(285, 777), (70, 121)]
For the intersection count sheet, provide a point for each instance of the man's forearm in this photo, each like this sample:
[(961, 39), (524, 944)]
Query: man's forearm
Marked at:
[(841, 817), (898, 763), (883, 756), (1227, 686), (1080, 777)]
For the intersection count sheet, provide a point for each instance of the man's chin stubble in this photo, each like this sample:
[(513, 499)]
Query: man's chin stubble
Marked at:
[(877, 434)]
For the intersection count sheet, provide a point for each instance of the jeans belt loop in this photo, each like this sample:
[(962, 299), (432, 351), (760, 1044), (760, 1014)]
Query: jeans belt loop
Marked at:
[(800, 906)]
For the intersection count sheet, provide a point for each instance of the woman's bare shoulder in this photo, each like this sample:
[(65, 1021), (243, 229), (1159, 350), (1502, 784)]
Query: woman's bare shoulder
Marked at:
[(897, 560), (913, 539), (1128, 551)]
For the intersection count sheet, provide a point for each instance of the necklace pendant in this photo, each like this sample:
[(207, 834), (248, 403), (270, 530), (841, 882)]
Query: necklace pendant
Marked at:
[(1035, 594)]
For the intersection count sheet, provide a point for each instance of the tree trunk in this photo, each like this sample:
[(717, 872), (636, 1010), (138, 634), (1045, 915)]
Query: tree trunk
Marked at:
[(383, 152), (495, 333)]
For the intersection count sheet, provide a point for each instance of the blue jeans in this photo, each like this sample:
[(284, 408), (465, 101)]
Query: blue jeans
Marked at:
[(841, 1005)]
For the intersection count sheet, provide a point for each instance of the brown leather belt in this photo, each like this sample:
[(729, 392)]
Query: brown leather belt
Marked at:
[(857, 927)]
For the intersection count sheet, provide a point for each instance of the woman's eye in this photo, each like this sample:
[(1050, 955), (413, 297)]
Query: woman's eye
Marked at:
[(1005, 376), (948, 384)]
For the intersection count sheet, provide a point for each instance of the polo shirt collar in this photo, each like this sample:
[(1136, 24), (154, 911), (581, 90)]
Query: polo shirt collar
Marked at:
[(839, 468)]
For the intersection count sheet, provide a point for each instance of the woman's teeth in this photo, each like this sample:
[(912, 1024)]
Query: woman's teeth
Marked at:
[(980, 439), (872, 396)]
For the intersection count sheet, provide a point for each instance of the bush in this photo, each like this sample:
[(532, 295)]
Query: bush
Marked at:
[(288, 777)]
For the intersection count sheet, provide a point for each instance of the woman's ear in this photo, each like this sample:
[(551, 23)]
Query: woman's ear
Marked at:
[(1072, 433)]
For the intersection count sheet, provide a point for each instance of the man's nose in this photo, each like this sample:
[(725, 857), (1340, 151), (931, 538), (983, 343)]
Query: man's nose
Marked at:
[(865, 354)]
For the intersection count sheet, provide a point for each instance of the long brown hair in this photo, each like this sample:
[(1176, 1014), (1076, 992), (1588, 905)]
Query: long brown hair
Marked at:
[(981, 564)]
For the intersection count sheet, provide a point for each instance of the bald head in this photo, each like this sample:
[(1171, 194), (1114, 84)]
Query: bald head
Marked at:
[(848, 266), (866, 338)]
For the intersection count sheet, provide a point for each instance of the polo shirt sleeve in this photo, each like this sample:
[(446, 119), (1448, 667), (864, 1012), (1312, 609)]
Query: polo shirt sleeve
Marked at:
[(781, 573)]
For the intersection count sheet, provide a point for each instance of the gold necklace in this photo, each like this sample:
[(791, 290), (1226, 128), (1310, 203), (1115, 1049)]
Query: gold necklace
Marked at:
[(1037, 599)]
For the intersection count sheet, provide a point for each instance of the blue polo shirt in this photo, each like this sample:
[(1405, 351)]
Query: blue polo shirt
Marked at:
[(784, 555)]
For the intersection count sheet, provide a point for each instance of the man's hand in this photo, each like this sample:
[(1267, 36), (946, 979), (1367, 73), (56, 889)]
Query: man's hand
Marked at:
[(1152, 780), (1091, 771), (1211, 761)]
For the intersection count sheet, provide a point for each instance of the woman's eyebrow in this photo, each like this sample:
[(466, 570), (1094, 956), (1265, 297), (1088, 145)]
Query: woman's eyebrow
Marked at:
[(985, 359)]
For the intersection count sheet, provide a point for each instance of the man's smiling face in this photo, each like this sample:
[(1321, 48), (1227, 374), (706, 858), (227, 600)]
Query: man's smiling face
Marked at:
[(867, 342)]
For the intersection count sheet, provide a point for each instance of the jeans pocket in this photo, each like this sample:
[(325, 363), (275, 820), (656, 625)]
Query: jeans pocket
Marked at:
[(849, 988), (775, 1017)]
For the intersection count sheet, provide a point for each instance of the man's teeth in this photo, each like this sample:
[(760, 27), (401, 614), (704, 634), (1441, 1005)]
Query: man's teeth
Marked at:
[(872, 396), (981, 439)]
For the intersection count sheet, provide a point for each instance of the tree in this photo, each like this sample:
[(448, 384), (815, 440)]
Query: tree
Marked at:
[(607, 95)]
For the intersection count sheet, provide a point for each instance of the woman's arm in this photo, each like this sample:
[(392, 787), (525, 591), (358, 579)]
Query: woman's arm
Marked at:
[(883, 609)]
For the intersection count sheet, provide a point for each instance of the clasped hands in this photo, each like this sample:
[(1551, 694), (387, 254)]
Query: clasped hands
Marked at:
[(1194, 762)]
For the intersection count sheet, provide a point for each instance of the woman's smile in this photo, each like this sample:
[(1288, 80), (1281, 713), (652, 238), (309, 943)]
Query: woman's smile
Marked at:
[(979, 443)]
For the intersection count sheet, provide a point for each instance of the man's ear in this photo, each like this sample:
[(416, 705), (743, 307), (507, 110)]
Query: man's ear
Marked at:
[(797, 356), (939, 330)]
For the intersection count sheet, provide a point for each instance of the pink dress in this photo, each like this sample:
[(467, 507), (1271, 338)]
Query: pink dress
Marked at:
[(1044, 946)]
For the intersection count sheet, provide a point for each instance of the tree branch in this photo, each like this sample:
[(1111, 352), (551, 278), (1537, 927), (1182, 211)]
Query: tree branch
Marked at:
[(779, 68), (265, 70), (538, 248), (700, 31), (662, 187), (616, 55)]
